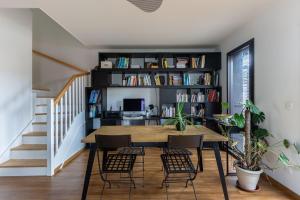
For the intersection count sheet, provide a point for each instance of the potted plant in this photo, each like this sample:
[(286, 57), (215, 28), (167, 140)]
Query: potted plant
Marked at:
[(249, 165), (180, 120)]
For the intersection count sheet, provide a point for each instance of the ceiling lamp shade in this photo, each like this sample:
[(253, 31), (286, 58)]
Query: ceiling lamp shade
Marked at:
[(147, 5)]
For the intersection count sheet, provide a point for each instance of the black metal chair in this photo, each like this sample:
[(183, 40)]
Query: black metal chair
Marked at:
[(138, 151), (176, 160), (115, 162)]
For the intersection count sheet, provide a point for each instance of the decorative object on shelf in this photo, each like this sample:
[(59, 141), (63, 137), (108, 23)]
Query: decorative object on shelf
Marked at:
[(147, 6), (180, 120), (106, 64), (249, 164)]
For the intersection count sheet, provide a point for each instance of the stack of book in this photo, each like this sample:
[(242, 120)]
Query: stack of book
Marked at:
[(212, 96), (168, 111), (130, 80), (144, 80), (198, 97), (175, 80), (123, 62), (182, 97), (182, 62)]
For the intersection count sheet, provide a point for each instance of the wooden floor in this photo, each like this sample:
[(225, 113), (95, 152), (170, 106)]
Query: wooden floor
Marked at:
[(67, 185)]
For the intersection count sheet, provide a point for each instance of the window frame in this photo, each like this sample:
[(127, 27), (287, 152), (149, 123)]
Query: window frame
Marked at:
[(249, 44)]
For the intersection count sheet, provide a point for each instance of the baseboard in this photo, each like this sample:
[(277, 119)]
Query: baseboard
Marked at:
[(68, 161), (283, 188)]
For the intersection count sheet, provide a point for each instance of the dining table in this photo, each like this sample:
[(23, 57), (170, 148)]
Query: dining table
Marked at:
[(155, 136)]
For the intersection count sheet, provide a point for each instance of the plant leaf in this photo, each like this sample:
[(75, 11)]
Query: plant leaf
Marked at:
[(225, 105), (253, 108), (261, 133), (258, 118), (238, 120), (286, 143), (283, 159)]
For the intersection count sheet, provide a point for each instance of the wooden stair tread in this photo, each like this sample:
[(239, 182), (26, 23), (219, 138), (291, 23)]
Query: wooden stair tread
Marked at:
[(45, 97), (36, 134), (41, 89), (39, 123), (41, 105), (30, 147), (40, 114), (24, 163)]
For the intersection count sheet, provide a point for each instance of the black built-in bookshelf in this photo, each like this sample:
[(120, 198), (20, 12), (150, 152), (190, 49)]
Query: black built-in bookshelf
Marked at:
[(195, 79)]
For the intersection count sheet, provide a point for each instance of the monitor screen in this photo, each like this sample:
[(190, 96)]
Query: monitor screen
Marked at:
[(134, 104)]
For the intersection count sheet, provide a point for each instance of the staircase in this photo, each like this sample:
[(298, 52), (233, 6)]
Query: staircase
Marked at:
[(55, 132), (30, 157)]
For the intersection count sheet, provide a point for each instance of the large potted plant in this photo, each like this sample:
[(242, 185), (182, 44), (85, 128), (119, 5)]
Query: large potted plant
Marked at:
[(249, 165)]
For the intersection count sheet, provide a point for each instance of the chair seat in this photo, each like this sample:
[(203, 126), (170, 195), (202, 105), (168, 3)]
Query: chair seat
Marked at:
[(119, 163), (177, 151), (139, 151), (175, 163)]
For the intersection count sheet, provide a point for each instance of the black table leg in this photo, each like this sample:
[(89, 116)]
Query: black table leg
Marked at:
[(88, 171), (220, 168), (200, 159)]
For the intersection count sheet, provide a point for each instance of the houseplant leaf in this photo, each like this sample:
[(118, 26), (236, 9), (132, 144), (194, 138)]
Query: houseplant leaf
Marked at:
[(261, 133), (238, 120)]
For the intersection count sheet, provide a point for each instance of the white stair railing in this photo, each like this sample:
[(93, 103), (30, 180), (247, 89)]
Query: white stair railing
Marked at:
[(62, 111)]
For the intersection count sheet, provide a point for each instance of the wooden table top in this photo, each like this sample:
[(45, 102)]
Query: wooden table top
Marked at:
[(154, 133)]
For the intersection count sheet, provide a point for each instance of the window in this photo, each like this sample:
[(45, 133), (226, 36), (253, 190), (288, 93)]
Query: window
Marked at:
[(240, 82), (240, 69)]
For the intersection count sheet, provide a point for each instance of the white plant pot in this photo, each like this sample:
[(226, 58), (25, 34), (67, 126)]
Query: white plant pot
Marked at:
[(247, 179)]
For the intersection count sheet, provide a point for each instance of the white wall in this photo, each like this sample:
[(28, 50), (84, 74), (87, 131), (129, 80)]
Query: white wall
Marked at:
[(277, 71), (15, 73), (52, 39)]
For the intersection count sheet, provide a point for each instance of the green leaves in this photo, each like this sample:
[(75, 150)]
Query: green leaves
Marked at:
[(225, 105), (258, 118), (283, 159), (253, 108), (286, 143), (261, 133), (238, 120)]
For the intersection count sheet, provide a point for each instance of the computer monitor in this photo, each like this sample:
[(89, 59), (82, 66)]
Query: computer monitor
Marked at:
[(133, 105)]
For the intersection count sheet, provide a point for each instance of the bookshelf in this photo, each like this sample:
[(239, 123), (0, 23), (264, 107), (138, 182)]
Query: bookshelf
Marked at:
[(192, 78)]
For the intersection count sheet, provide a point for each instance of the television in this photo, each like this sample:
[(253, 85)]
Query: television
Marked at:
[(133, 105)]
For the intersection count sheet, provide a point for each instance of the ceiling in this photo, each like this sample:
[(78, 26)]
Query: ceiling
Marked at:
[(177, 23)]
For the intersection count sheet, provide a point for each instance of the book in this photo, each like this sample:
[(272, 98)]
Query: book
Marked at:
[(202, 61)]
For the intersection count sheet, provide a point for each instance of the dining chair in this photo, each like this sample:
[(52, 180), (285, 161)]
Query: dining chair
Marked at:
[(176, 160), (112, 162)]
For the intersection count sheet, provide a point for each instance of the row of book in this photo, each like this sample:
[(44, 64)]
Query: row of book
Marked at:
[(168, 111), (94, 110), (182, 97), (144, 80), (197, 79), (95, 96), (130, 81), (198, 62), (160, 80), (122, 62), (198, 111), (175, 79), (198, 97)]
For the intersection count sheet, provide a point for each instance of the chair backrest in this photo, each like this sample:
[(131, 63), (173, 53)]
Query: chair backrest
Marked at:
[(112, 141), (185, 141)]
